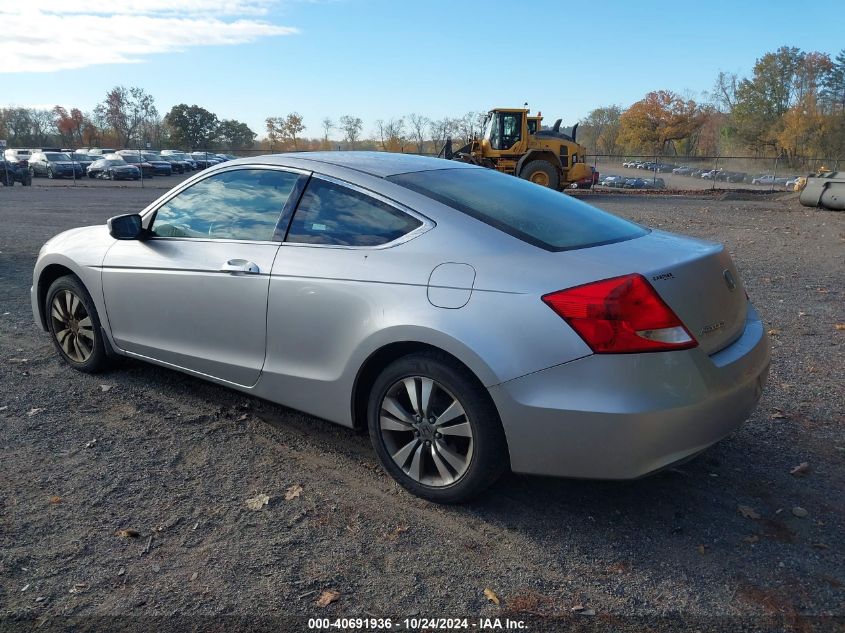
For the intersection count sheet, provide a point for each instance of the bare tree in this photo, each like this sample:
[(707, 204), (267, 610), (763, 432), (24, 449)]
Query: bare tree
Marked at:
[(328, 126), (126, 111), (440, 130), (351, 126), (418, 124)]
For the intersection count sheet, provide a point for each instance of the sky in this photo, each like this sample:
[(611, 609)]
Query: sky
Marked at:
[(380, 59)]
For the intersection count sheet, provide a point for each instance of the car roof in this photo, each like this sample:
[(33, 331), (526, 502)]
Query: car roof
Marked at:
[(380, 164)]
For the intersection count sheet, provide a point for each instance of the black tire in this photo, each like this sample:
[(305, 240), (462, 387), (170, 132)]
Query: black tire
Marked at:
[(542, 172), (26, 178), (50, 173), (489, 456), (90, 175), (98, 359), (111, 174)]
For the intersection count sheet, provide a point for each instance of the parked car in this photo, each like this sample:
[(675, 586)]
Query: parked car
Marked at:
[(205, 159), (634, 183), (664, 168), (654, 183), (737, 176), (83, 159), (100, 151), (54, 165), (763, 180), (161, 165), (181, 156), (711, 174), (12, 172), (113, 169), (588, 181), (589, 326), (630, 164), (696, 173), (18, 156), (177, 166), (613, 181), (133, 158)]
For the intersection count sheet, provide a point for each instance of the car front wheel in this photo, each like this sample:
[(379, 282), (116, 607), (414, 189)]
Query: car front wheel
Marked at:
[(75, 326), (435, 429)]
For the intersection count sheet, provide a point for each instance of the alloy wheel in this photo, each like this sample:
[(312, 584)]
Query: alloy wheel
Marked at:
[(72, 326), (426, 431)]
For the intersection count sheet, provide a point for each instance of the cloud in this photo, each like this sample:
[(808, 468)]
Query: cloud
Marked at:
[(47, 35)]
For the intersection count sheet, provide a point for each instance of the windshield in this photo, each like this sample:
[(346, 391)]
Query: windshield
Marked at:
[(538, 215), (131, 158), (489, 126), (52, 156), (114, 163)]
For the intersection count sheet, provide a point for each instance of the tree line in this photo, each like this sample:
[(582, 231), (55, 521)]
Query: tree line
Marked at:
[(792, 105), (128, 117)]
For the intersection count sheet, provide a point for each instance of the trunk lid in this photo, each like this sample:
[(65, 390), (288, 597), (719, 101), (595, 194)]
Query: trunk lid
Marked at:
[(696, 279)]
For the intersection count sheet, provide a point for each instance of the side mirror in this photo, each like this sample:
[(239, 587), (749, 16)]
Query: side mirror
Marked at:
[(125, 227)]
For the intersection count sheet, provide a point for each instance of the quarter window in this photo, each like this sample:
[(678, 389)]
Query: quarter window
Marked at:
[(336, 215), (243, 204)]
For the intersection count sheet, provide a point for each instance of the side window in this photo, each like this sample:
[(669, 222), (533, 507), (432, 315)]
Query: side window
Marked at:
[(333, 214), (243, 204)]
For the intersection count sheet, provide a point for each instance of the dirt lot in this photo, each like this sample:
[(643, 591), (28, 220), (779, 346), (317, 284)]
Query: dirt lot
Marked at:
[(715, 543)]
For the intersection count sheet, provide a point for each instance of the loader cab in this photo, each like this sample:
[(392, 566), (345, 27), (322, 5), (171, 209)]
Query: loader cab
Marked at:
[(505, 130)]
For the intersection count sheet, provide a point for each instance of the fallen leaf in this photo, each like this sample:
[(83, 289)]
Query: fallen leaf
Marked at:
[(819, 546), (4, 407), (121, 571), (91, 443), (34, 411), (801, 469), (701, 549), (799, 512), (491, 595), (105, 387), (779, 415), (840, 326), (55, 499), (257, 502), (327, 597), (577, 607), (128, 533), (748, 512), (293, 492), (79, 587), (194, 576), (802, 314), (773, 332), (25, 587), (18, 361), (751, 539), (587, 612)]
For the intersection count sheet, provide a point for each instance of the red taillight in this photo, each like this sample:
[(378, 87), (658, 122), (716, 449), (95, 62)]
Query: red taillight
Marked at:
[(621, 315)]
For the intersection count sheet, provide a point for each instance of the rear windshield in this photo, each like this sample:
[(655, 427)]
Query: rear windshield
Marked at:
[(538, 215)]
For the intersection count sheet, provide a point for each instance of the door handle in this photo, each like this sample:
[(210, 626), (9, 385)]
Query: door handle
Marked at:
[(241, 266)]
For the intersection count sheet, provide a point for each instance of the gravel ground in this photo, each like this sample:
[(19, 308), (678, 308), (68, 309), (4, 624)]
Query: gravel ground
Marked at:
[(174, 460)]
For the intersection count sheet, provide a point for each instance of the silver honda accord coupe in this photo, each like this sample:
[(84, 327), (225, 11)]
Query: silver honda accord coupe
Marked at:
[(471, 321)]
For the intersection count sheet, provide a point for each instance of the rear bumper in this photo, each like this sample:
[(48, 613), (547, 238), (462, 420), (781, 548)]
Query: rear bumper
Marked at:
[(624, 416)]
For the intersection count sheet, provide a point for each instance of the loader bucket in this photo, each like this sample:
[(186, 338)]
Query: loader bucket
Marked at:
[(827, 191)]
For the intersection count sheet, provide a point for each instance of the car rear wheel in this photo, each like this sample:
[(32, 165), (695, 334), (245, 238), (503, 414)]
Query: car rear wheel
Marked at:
[(435, 429), (75, 326)]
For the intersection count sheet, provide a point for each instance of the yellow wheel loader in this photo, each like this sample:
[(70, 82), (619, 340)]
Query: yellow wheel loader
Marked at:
[(515, 143)]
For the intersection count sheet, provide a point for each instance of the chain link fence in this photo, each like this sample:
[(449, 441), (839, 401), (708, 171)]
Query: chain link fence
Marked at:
[(694, 173)]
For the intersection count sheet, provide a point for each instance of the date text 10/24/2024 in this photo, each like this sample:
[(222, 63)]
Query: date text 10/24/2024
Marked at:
[(415, 624)]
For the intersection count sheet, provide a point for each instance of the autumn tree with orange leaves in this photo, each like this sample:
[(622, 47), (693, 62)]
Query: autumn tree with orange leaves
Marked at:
[(662, 123)]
